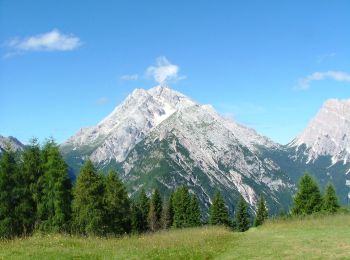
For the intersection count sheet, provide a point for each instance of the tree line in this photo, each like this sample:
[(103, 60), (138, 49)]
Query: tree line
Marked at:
[(36, 193)]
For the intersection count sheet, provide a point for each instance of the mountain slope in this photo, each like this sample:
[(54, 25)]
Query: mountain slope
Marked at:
[(12, 142), (161, 138), (323, 148)]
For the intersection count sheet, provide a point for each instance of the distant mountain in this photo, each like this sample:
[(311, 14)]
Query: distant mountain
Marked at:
[(161, 138), (11, 142), (323, 148)]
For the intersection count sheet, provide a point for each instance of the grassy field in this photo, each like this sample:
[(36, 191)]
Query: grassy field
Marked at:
[(314, 237)]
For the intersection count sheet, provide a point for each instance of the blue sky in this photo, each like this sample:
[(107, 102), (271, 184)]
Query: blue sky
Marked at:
[(268, 64)]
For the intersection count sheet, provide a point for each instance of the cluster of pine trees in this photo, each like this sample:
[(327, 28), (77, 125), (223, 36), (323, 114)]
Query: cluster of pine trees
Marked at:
[(35, 191), (309, 199), (36, 194)]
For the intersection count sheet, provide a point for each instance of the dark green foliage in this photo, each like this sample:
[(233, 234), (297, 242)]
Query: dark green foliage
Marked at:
[(117, 205), (308, 199), (330, 200), (139, 213), (261, 214), (31, 175), (54, 205), (242, 222), (181, 203), (9, 224), (194, 212), (218, 212), (88, 206), (155, 211)]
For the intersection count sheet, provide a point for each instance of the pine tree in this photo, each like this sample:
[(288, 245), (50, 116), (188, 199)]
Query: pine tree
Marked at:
[(136, 219), (88, 207), (144, 206), (194, 212), (330, 200), (155, 211), (117, 205), (166, 216), (31, 172), (308, 199), (54, 207), (218, 213), (242, 216), (8, 220), (261, 214), (181, 202)]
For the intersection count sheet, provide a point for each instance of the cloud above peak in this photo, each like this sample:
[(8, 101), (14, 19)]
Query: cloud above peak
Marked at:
[(50, 41), (305, 83), (163, 71)]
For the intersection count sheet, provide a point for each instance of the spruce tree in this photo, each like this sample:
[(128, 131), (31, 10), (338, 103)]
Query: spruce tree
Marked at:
[(8, 219), (88, 206), (136, 218), (117, 205), (261, 214), (54, 207), (194, 212), (143, 205), (181, 203), (31, 175), (166, 216), (330, 200), (155, 211), (242, 216), (218, 213), (308, 198)]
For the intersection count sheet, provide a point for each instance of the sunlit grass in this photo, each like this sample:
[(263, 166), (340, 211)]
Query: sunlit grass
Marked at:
[(310, 237)]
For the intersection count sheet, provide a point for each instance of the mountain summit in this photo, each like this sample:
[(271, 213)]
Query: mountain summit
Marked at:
[(161, 138), (328, 133)]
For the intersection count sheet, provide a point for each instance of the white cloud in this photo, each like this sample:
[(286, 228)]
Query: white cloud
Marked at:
[(304, 83), (50, 41), (129, 77), (164, 71)]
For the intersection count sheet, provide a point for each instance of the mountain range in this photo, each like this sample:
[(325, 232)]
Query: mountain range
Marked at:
[(162, 138)]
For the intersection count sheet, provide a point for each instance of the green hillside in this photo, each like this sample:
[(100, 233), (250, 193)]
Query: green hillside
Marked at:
[(313, 237)]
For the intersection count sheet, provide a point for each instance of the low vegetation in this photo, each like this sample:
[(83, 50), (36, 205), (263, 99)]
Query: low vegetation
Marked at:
[(310, 237)]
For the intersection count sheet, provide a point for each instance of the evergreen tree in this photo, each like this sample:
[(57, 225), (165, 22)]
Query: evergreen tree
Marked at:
[(144, 206), (218, 213), (181, 203), (308, 199), (166, 216), (155, 211), (136, 218), (88, 207), (8, 219), (54, 207), (261, 214), (242, 216), (194, 212), (31, 172), (117, 205), (330, 200)]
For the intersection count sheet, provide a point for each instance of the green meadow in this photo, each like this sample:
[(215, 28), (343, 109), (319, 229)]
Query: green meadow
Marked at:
[(313, 237)]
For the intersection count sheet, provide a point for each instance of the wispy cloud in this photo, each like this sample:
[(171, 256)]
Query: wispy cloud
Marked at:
[(326, 56), (305, 83), (50, 41), (164, 72), (130, 77), (102, 101)]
